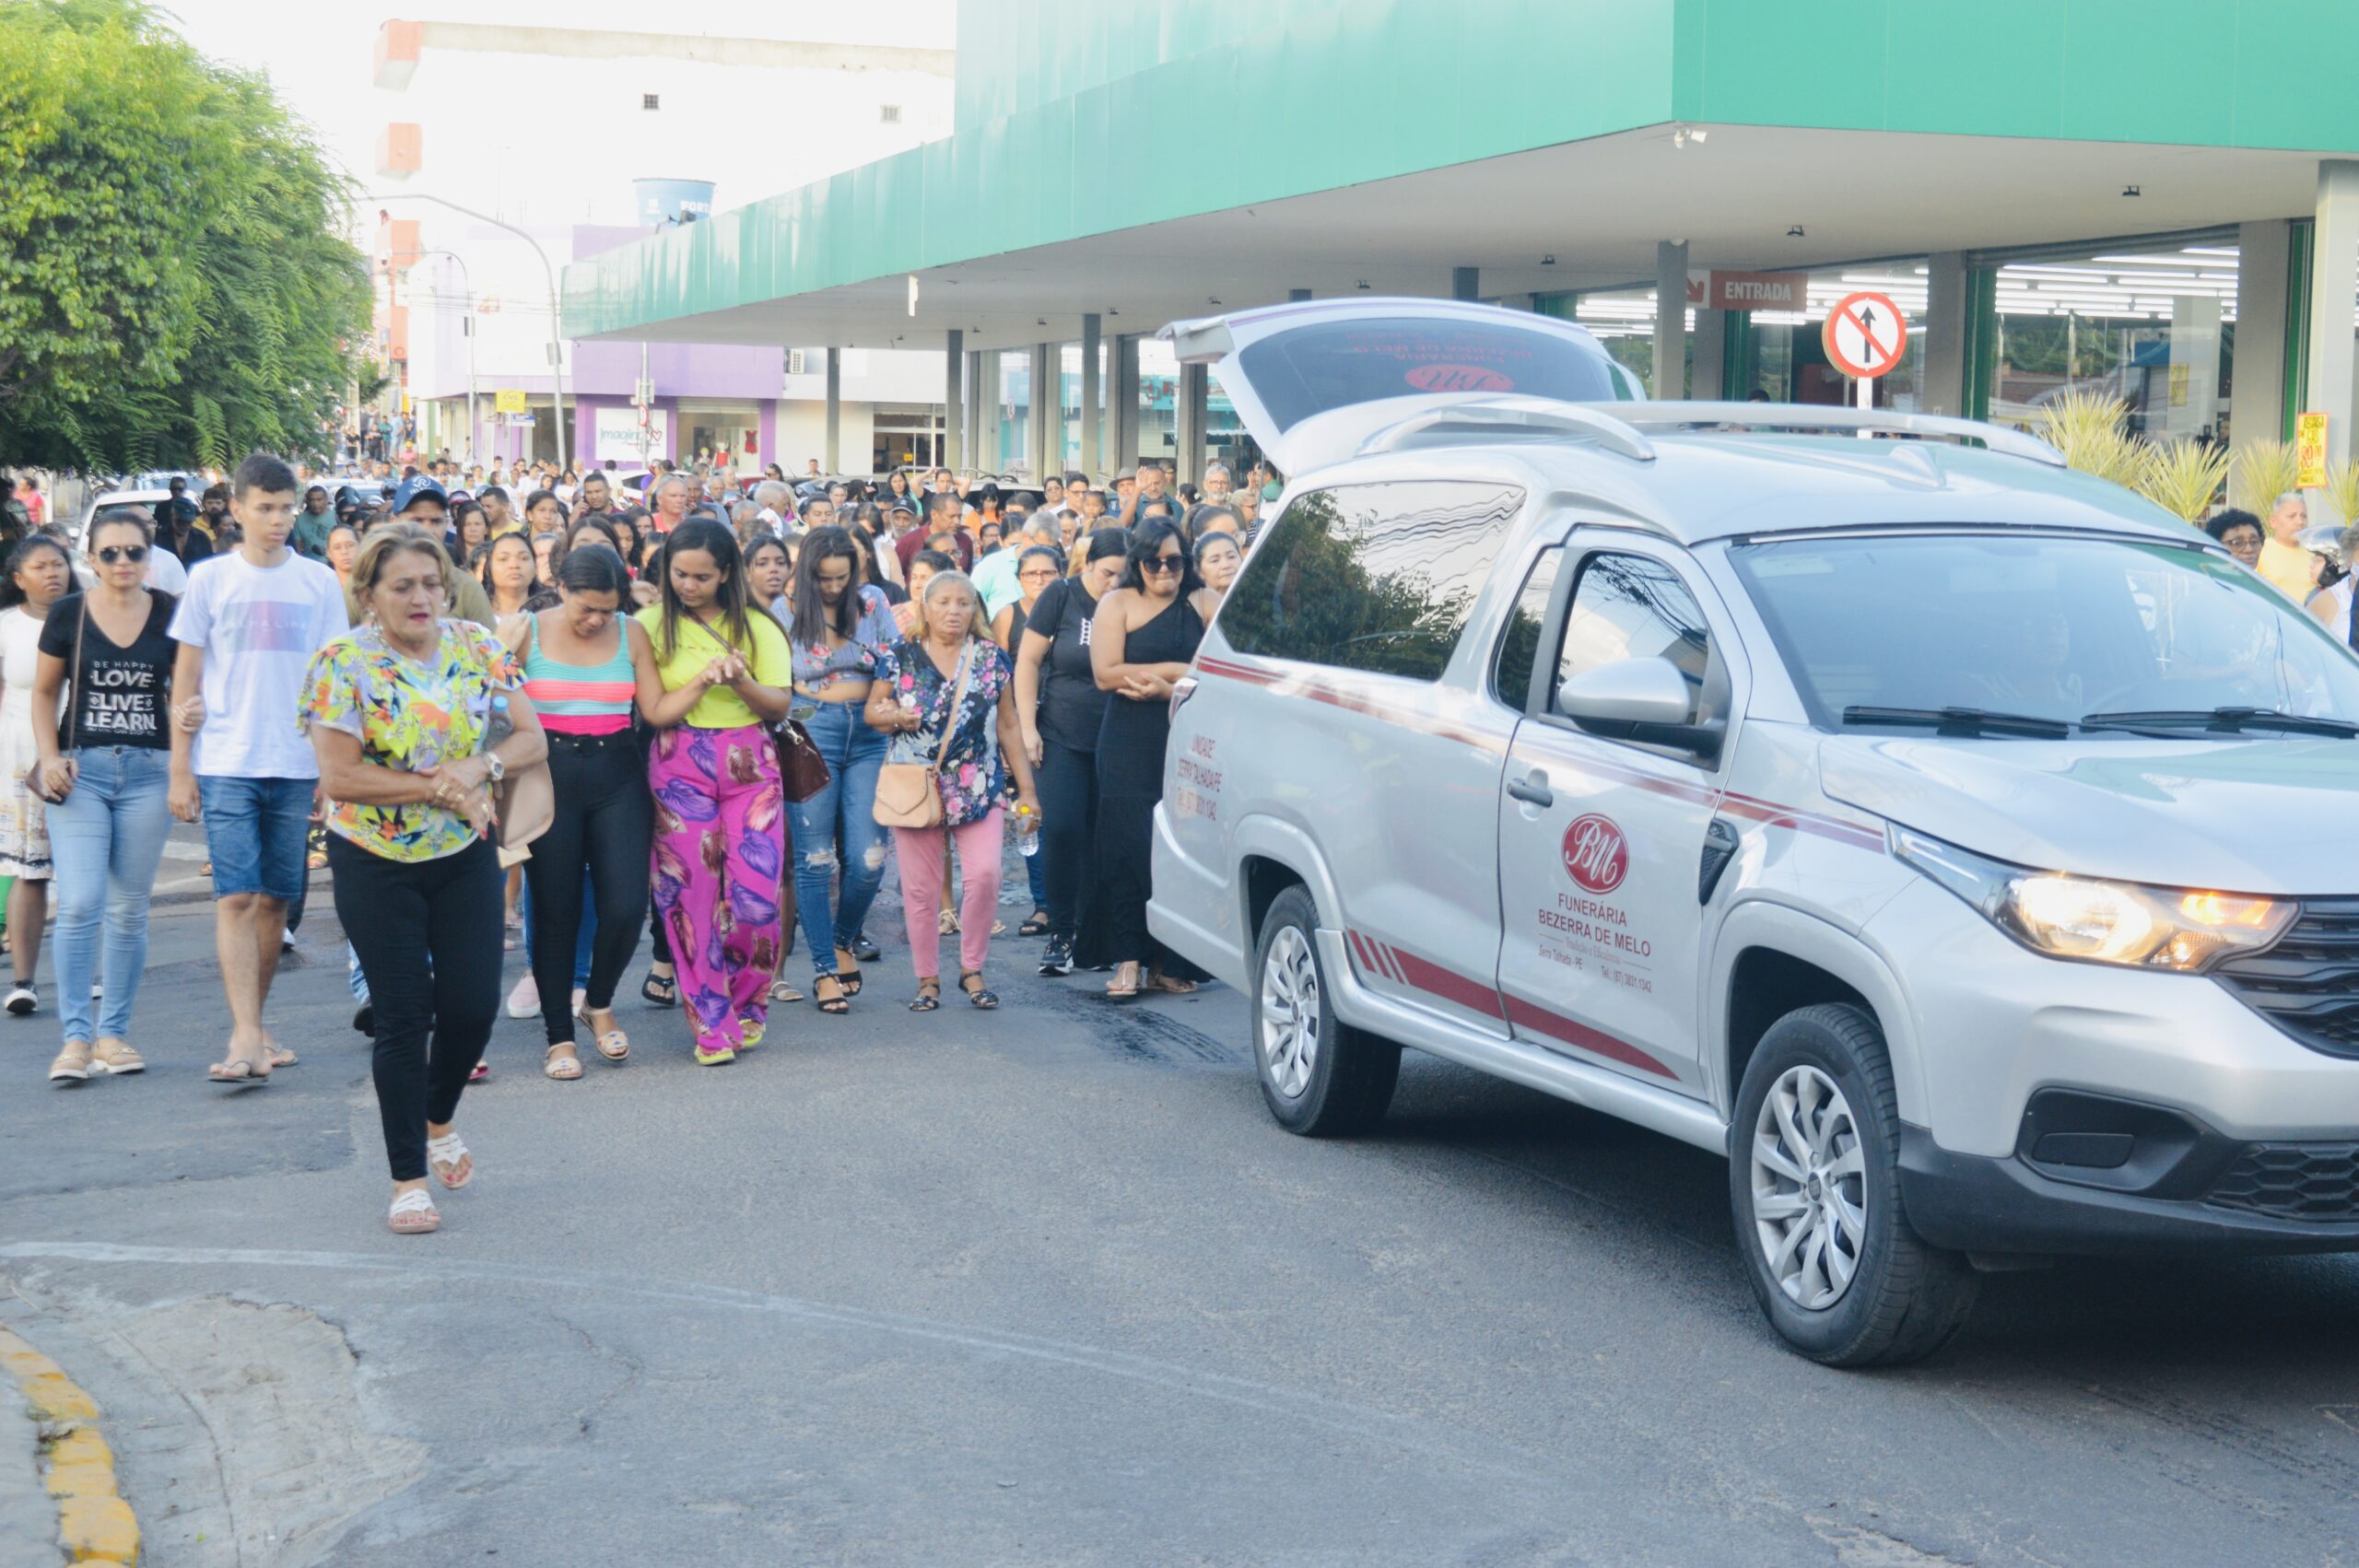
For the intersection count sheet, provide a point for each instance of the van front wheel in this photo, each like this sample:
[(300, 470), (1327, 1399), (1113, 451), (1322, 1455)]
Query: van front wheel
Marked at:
[(1319, 1077), (1813, 1178)]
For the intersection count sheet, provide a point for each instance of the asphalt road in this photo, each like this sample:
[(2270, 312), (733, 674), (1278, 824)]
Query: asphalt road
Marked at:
[(1049, 1286)]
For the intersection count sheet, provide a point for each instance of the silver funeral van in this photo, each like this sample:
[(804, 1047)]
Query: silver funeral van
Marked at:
[(1958, 843)]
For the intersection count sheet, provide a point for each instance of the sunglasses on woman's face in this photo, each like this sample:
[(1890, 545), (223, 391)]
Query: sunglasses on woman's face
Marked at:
[(1159, 564), (111, 554)]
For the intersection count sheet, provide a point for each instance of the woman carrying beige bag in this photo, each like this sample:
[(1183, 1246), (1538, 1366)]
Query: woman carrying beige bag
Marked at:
[(946, 694)]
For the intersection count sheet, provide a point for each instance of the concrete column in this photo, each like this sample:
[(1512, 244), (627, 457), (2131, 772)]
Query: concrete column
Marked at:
[(1046, 424), (973, 435), (1711, 342), (1948, 305), (988, 411), (1092, 428), (1123, 408), (1298, 295), (2256, 407), (1465, 283), (1195, 388), (954, 412), (1671, 318), (834, 459), (2334, 284), (2193, 397)]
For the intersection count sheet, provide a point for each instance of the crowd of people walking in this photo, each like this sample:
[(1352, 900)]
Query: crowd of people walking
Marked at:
[(707, 723)]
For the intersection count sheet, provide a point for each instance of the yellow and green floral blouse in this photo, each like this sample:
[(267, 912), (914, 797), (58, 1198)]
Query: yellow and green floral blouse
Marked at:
[(408, 714)]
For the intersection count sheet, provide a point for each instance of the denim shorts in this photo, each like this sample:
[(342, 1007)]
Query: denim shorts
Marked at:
[(254, 830)]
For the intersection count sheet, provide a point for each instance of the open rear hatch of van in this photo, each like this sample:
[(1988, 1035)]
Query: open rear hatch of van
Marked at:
[(1292, 370)]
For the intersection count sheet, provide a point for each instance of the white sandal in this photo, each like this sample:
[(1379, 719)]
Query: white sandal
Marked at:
[(614, 1045), (413, 1214), (452, 1166), (564, 1069)]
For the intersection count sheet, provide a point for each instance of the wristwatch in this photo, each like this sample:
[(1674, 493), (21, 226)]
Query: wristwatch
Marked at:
[(499, 768)]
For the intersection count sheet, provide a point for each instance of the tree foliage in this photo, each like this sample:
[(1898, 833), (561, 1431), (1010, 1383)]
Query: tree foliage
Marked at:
[(175, 282)]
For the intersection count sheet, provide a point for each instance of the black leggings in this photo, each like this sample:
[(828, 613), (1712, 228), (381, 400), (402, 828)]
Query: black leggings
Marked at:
[(429, 937), (602, 821), (1068, 784)]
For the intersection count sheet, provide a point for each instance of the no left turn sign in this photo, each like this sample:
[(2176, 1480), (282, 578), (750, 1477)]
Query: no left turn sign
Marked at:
[(1864, 335)]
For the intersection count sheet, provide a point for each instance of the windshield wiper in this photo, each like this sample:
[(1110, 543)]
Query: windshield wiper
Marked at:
[(2229, 720), (1963, 722)]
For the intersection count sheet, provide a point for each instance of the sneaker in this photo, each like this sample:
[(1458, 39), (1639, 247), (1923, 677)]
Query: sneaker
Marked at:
[(863, 949), (364, 1019), (23, 999), (714, 1056), (73, 1063), (116, 1057), (525, 1001), (1057, 957)]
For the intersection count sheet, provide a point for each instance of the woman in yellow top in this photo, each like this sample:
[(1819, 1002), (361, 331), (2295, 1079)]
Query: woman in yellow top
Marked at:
[(415, 719), (719, 809)]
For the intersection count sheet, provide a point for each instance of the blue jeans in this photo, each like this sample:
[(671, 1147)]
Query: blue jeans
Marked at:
[(847, 806), (106, 838), (254, 830)]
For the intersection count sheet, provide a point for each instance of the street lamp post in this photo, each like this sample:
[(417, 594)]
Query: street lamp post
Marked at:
[(556, 360), (467, 323)]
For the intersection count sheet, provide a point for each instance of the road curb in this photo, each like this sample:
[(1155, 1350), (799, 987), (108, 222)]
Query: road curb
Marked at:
[(95, 1525)]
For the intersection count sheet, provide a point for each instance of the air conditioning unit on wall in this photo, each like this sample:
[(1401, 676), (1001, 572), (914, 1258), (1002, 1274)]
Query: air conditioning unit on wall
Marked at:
[(794, 357)]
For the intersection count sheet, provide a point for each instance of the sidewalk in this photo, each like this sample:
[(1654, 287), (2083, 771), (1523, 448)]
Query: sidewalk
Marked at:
[(27, 1517)]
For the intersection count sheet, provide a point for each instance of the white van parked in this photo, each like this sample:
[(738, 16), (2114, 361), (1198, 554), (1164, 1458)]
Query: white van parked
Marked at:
[(1955, 842)]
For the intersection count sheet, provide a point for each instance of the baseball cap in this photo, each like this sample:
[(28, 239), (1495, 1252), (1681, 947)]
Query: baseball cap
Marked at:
[(901, 507), (412, 488)]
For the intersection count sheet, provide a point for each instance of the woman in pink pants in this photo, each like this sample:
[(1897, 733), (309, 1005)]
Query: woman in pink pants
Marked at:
[(947, 678)]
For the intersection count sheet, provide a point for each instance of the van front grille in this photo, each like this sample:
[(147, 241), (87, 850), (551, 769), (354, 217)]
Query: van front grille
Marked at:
[(2308, 983)]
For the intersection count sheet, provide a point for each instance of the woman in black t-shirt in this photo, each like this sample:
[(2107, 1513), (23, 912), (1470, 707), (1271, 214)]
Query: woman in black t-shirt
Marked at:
[(1059, 708), (105, 768)]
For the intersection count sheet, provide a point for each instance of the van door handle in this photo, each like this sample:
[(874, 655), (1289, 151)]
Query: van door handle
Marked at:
[(1534, 791)]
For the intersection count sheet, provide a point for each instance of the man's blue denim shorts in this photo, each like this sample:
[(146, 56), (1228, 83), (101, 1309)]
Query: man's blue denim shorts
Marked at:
[(254, 830)]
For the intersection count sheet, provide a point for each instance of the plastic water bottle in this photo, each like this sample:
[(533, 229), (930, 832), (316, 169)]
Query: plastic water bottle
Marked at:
[(1028, 833)]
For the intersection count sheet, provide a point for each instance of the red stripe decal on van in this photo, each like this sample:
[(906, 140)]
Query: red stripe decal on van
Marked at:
[(1556, 1026)]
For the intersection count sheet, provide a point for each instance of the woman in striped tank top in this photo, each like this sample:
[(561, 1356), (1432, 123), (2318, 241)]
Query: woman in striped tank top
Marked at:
[(581, 659)]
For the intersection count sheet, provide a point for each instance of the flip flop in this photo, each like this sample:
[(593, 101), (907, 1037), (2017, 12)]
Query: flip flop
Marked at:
[(281, 1057), (237, 1073), (413, 1214), (446, 1153)]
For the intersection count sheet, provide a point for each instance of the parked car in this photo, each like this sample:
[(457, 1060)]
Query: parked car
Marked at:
[(1947, 838)]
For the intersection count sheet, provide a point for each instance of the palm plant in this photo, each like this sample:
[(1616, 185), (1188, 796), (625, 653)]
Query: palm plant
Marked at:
[(2264, 471), (2086, 427), (2342, 492), (2183, 477)]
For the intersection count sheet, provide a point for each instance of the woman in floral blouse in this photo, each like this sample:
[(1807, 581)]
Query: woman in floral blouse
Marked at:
[(416, 719), (917, 679)]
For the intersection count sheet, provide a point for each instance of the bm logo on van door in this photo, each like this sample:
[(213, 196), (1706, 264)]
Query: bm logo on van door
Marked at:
[(1596, 855)]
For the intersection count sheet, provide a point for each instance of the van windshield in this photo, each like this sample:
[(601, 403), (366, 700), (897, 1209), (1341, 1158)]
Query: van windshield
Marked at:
[(2045, 626)]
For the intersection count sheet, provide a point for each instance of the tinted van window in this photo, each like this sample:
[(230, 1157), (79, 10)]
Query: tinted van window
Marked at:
[(1333, 365), (1372, 577)]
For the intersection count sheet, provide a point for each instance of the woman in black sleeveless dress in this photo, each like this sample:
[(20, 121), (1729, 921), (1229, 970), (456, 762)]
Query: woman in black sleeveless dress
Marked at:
[(1144, 636)]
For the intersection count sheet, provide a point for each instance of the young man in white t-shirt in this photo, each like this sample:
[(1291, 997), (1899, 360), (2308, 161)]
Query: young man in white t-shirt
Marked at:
[(247, 626)]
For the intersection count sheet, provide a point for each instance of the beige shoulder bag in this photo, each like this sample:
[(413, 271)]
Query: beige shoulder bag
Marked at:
[(908, 794)]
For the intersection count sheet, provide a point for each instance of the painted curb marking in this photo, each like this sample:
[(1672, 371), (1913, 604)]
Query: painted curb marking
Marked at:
[(94, 1524)]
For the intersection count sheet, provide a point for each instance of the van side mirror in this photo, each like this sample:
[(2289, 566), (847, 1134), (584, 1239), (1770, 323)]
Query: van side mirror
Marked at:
[(1646, 700)]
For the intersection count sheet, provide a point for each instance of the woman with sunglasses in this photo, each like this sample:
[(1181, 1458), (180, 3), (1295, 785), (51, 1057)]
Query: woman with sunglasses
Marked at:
[(105, 771), (1141, 640)]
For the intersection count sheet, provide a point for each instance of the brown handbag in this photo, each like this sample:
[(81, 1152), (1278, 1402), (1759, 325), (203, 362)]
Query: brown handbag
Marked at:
[(908, 794)]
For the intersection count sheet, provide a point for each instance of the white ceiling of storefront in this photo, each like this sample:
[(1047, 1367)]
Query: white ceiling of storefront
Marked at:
[(1598, 206)]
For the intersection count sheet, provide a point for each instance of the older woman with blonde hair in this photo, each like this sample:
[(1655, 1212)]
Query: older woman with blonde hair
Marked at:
[(946, 694)]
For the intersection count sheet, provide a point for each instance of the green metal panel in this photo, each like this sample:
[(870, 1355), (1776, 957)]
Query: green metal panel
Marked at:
[(1981, 340), (1080, 117)]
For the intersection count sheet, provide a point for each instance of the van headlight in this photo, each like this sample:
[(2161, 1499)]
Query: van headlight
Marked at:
[(2180, 929)]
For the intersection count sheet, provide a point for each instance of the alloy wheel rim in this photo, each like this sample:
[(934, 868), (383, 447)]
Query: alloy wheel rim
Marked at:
[(1290, 1003), (1809, 1175)]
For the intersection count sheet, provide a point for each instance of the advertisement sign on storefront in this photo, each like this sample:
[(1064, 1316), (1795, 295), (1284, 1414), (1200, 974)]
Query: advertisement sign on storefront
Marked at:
[(508, 400), (2309, 451), (619, 435)]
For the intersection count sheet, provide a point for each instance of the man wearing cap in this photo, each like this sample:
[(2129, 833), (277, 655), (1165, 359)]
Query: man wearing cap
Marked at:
[(1126, 498), (176, 527), (312, 524), (420, 501)]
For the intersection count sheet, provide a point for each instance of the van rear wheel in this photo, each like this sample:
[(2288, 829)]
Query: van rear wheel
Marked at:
[(1319, 1077), (1814, 1182)]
